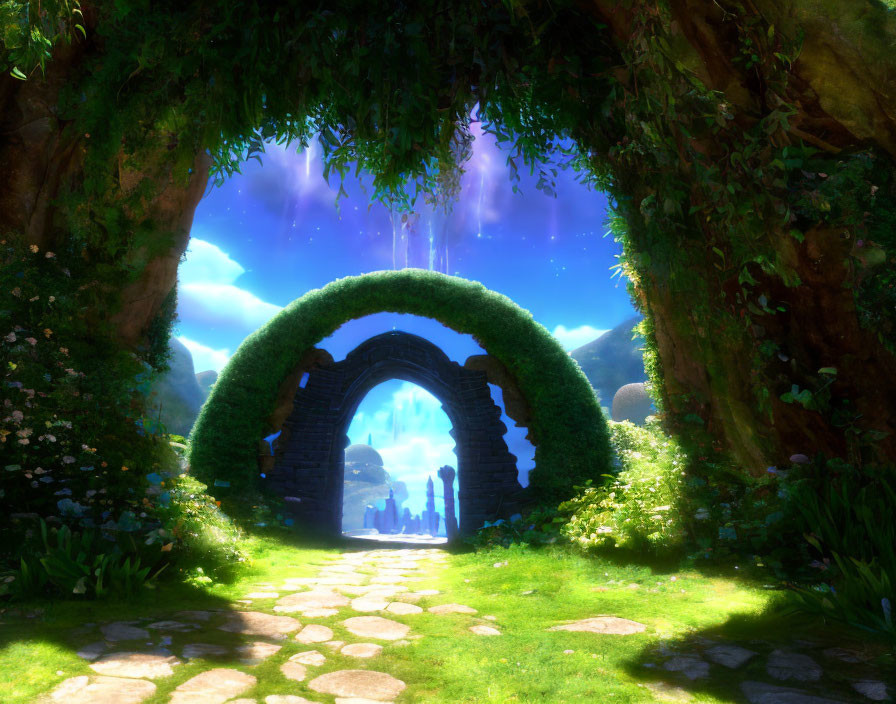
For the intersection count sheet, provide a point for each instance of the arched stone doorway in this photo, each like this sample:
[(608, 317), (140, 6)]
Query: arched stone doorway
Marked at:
[(310, 460)]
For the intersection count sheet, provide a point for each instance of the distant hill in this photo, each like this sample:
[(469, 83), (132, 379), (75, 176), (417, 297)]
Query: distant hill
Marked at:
[(177, 393), (612, 360), (206, 380)]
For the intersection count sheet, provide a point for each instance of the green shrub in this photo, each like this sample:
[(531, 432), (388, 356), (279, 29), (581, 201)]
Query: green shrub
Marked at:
[(82, 563), (195, 533), (847, 519), (641, 507), (539, 526)]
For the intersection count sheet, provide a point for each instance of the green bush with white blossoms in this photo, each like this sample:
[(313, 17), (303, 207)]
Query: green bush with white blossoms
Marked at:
[(641, 507)]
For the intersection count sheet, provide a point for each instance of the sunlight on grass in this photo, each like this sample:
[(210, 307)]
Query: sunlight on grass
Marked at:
[(441, 660)]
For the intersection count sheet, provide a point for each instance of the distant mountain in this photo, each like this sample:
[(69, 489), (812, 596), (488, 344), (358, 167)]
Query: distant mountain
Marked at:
[(206, 380), (612, 360), (176, 395)]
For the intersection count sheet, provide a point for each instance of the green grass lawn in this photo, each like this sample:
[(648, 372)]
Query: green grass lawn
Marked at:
[(535, 589)]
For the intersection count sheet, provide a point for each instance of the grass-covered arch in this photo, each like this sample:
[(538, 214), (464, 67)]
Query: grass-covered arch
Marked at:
[(567, 427)]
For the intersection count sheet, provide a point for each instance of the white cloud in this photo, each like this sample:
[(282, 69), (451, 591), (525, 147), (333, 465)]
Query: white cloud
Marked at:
[(211, 304), (207, 263), (572, 338), (205, 358)]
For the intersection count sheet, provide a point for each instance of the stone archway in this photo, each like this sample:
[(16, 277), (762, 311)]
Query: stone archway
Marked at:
[(310, 460)]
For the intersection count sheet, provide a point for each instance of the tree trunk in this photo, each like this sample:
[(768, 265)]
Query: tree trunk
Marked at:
[(43, 159), (713, 350)]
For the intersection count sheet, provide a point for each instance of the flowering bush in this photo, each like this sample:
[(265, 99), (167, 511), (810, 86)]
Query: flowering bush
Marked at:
[(77, 452), (641, 506), (71, 444)]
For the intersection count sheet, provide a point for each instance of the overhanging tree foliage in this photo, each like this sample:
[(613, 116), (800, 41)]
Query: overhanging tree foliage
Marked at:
[(748, 146), (567, 427)]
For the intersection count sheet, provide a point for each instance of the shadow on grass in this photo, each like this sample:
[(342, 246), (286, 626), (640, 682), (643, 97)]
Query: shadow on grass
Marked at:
[(678, 668)]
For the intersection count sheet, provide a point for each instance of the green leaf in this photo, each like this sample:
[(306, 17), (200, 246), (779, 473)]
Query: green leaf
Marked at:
[(828, 370), (16, 73)]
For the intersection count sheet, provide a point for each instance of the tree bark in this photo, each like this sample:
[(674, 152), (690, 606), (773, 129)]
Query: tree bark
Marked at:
[(843, 86)]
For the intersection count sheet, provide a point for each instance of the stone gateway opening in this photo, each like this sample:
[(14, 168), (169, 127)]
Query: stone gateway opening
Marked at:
[(309, 467)]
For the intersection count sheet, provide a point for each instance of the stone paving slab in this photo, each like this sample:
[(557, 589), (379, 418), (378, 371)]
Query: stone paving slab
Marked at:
[(213, 687), (366, 684), (121, 630), (101, 690), (295, 671), (731, 656), (764, 693), (376, 627), (603, 624), (362, 650), (256, 623), (137, 665), (201, 650), (254, 653), (314, 633), (784, 665), (309, 657), (481, 630)]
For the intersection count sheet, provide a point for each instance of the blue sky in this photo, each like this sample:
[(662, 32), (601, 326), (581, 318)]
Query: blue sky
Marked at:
[(272, 233)]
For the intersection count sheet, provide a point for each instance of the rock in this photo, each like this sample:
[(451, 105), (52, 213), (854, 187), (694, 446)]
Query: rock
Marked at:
[(285, 699), (843, 655), (314, 633), (362, 650), (783, 665), (603, 624), (763, 693), (451, 609), (334, 644), (175, 626), (213, 687), (872, 689), (294, 671), (92, 651), (690, 666), (480, 630), (101, 690), (194, 615), (359, 683), (311, 600), (376, 627), (665, 692), (632, 403), (201, 650), (147, 665), (401, 609), (121, 630), (731, 656), (356, 700), (427, 592), (255, 623), (319, 613), (309, 657), (254, 653), (365, 604)]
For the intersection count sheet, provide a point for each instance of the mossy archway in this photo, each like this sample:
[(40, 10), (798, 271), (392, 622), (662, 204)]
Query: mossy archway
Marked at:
[(566, 424)]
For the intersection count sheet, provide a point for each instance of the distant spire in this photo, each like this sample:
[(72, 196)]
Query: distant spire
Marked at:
[(370, 439)]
